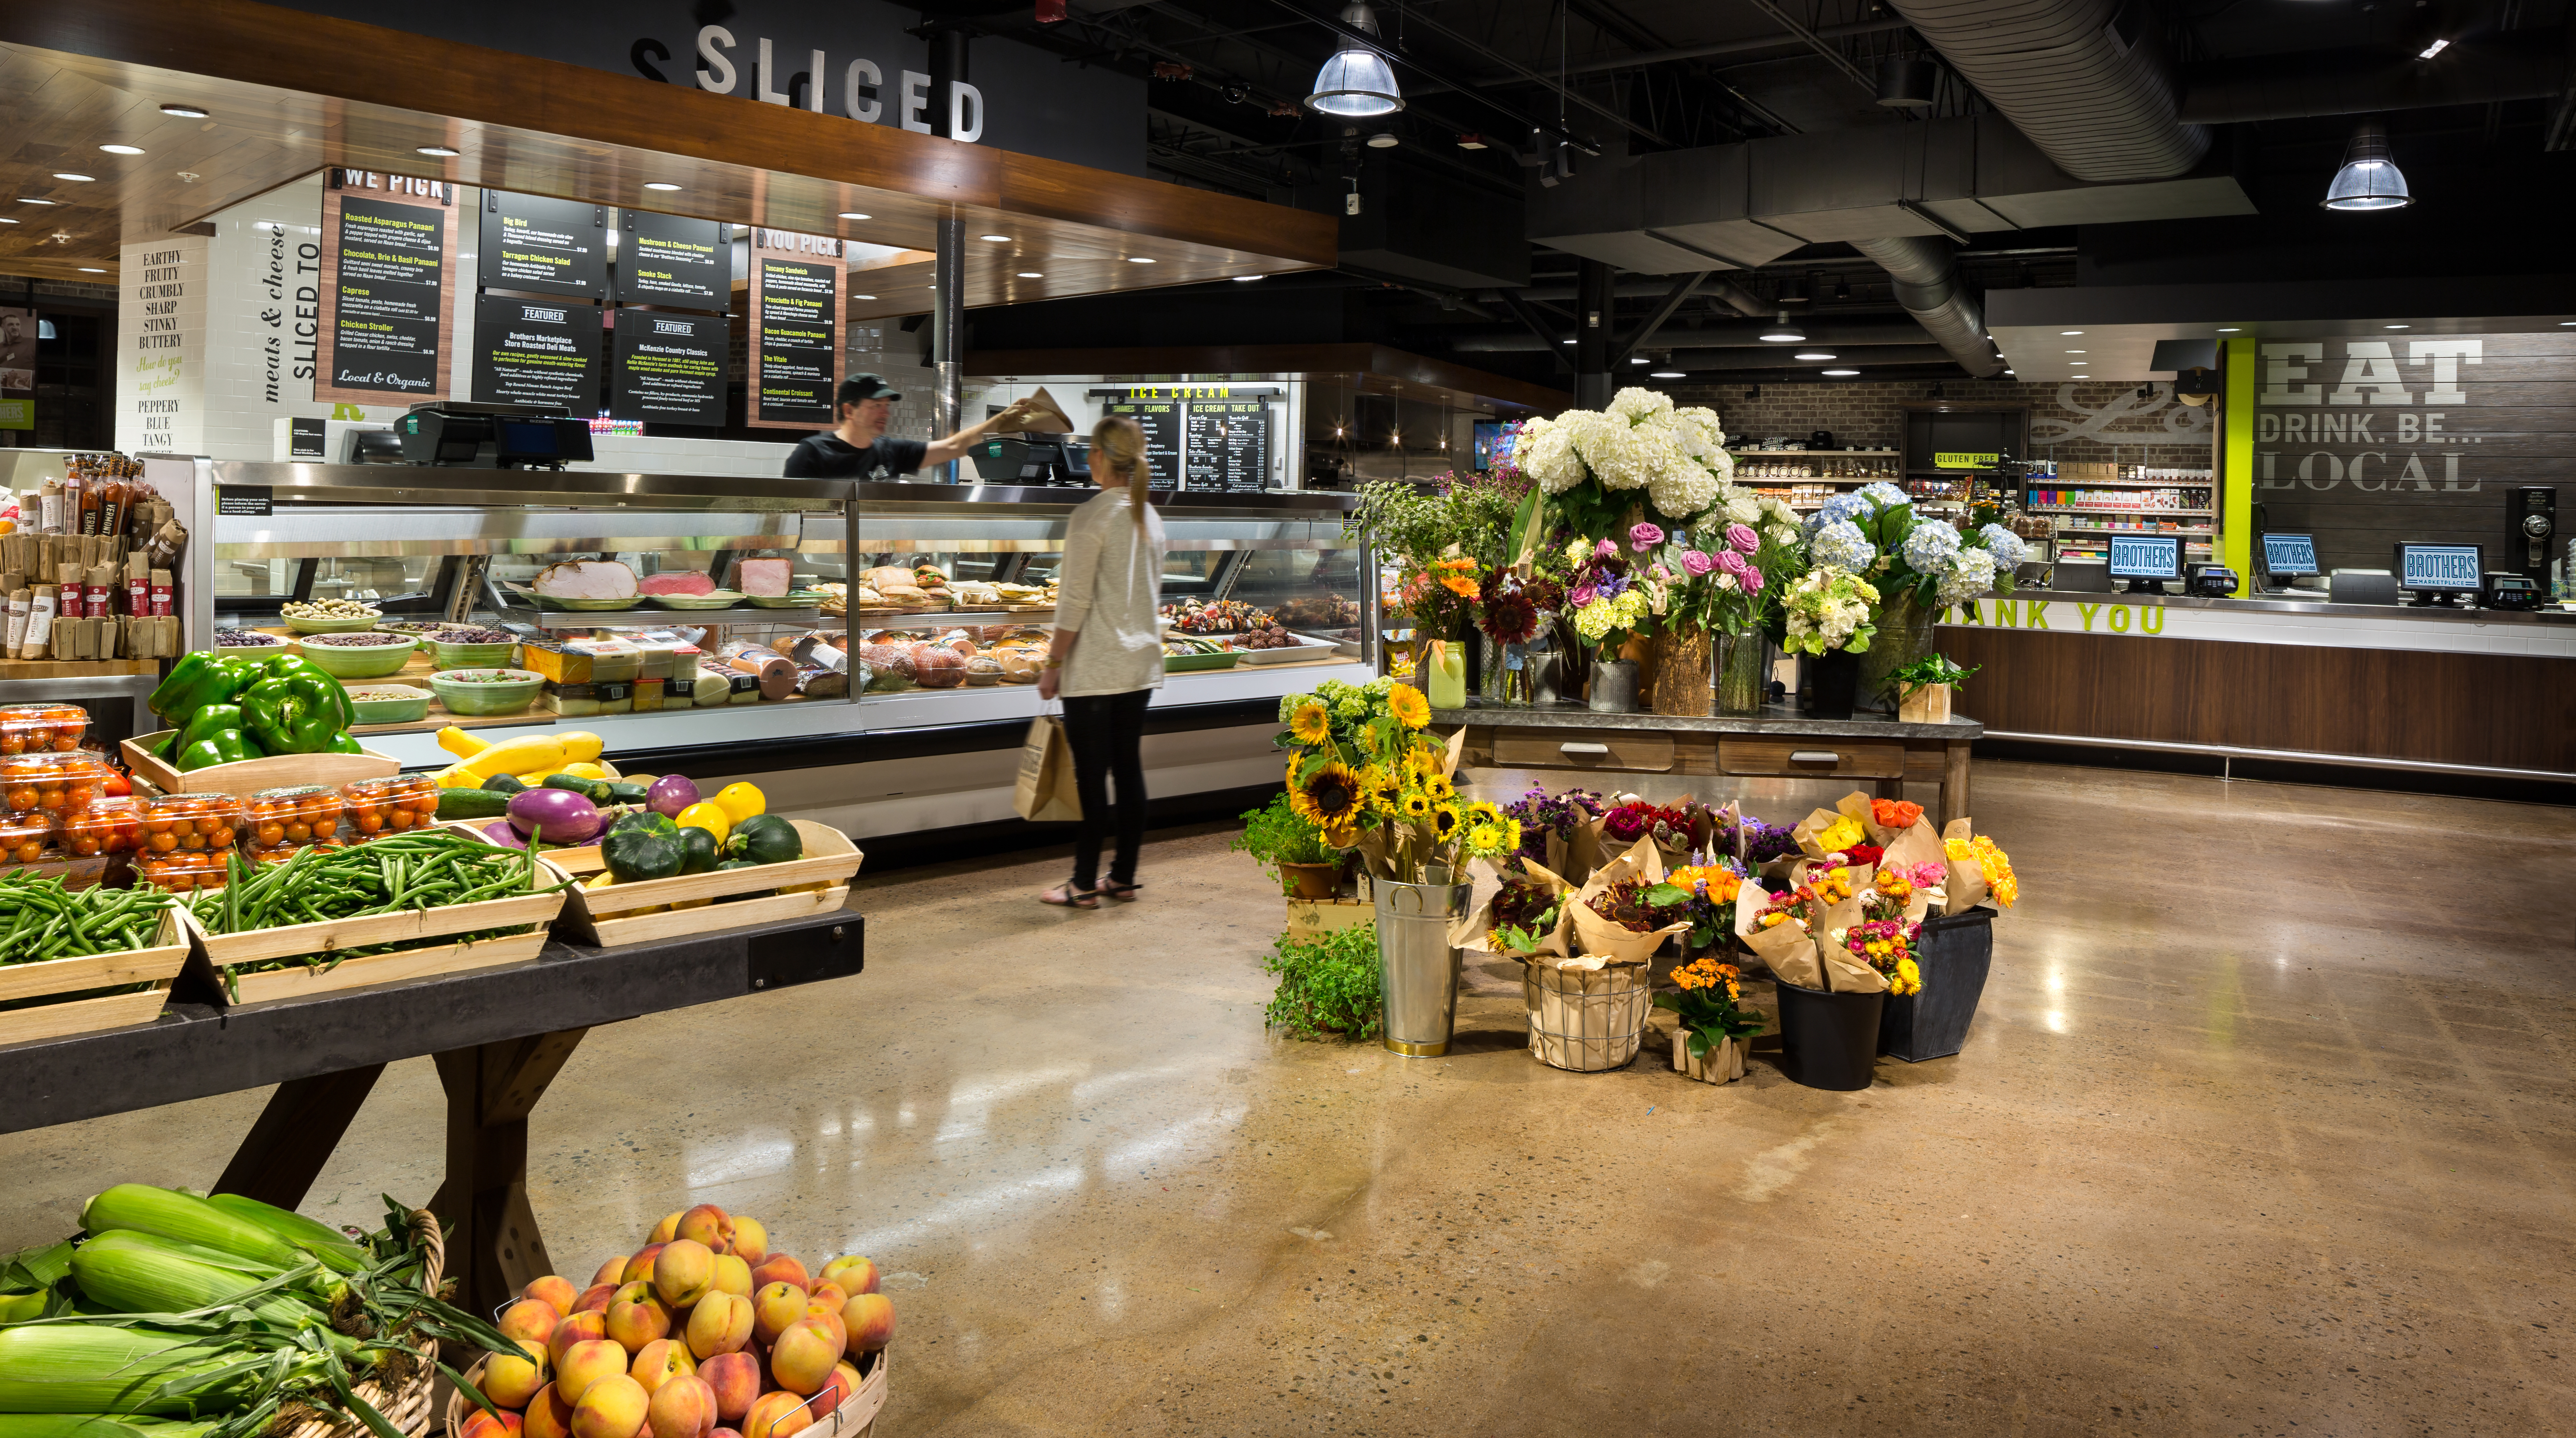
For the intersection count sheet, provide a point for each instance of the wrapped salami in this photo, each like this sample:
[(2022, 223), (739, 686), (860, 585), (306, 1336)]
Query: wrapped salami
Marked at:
[(776, 672)]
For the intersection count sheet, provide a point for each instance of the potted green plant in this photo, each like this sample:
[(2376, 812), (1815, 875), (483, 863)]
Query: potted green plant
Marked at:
[(1278, 836), (1923, 688)]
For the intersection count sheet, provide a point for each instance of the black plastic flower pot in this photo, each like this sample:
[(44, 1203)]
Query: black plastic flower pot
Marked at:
[(1833, 684), (1954, 955), (1828, 1040)]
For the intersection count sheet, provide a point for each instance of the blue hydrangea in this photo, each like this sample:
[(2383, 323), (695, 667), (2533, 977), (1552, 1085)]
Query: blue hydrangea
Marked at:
[(1883, 495), (2004, 545), (1841, 543), (1929, 546), (1841, 506)]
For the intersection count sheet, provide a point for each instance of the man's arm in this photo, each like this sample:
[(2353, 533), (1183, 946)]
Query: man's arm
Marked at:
[(941, 451)]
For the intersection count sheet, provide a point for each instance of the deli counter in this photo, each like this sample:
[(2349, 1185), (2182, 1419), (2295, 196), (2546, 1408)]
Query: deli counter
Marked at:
[(878, 751)]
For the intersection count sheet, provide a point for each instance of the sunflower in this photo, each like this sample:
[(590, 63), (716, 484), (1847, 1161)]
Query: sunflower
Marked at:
[(1342, 836), (1414, 805), (1311, 724), (1444, 821), (1437, 785), (1329, 794), (1408, 706), (1483, 812)]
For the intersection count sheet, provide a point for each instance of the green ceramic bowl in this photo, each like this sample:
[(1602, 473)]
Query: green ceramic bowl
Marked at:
[(471, 656), (394, 704), (328, 626), (361, 661), (514, 690)]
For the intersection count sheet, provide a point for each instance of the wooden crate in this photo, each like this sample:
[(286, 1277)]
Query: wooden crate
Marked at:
[(593, 915), (437, 958), (277, 771), (1311, 919), (156, 966)]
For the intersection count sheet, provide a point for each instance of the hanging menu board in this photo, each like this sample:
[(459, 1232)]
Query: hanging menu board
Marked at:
[(548, 247), (388, 261), (1229, 445), (669, 260), (795, 329), (536, 352), (1161, 421), (669, 368)]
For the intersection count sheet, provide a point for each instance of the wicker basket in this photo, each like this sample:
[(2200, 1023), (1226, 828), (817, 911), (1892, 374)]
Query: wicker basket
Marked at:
[(1587, 1020), (853, 1419), (406, 1406)]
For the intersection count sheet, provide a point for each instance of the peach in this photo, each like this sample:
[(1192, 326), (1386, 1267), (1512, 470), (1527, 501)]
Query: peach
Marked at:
[(854, 1274), (511, 1379), (802, 1360), (735, 1377), (612, 1273), (773, 1308), (708, 1225), (732, 1275), (870, 1317), (840, 1328), (634, 1322), (725, 1433), (532, 1319), (575, 1328), (776, 1415), (685, 1407), (556, 1293), (838, 1389), (750, 1239), (777, 1268), (589, 1362), (683, 1271), (721, 1323), (596, 1298), (660, 1361), (639, 1268), (549, 1416), (668, 1228), (831, 1295), (489, 1425), (614, 1407)]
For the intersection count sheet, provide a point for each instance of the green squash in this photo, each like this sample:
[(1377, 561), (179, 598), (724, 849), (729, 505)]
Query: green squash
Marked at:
[(640, 852), (700, 847), (644, 819), (765, 839), (504, 784), (738, 864)]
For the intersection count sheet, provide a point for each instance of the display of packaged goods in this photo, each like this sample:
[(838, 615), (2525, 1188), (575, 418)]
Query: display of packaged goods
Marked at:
[(648, 694), (664, 657), (52, 784), (576, 700), (279, 821), (746, 688), (192, 823), (42, 728), (180, 872), (372, 807), (110, 826), (709, 687), (26, 839), (582, 661), (774, 673)]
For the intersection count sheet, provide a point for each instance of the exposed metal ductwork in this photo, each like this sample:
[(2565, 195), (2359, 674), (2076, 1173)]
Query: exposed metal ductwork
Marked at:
[(1927, 284), (2086, 80)]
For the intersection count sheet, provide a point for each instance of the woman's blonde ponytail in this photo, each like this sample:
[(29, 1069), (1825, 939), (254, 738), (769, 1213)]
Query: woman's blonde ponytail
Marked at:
[(1119, 442)]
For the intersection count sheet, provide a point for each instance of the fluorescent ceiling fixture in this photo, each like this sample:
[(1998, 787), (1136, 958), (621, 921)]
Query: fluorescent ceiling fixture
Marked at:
[(1565, 342), (996, 239), (1381, 141), (1247, 279), (1032, 274), (2070, 332), (1665, 374), (853, 215), (75, 179), (32, 200), (1812, 355), (1140, 259), (91, 270), (2436, 48), (2075, 352), (2231, 329), (659, 185), (2008, 371), (2396, 327), (441, 151), (184, 112), (1842, 371), (862, 297), (1638, 359), (1783, 332), (122, 149), (5, 220), (1356, 84), (2369, 178)]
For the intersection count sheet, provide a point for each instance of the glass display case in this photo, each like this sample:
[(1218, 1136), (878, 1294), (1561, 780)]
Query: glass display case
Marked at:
[(1263, 589)]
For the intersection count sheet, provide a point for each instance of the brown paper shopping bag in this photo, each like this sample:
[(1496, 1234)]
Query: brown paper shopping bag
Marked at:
[(1046, 792)]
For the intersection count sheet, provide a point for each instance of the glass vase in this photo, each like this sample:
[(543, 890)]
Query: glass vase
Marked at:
[(1682, 668), (1444, 673), (1904, 635), (1743, 673), (1492, 665)]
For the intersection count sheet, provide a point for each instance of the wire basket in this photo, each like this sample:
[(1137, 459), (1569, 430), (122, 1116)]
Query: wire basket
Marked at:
[(406, 1403), (1587, 1020)]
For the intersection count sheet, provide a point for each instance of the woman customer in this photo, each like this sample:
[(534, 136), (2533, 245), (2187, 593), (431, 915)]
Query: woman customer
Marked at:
[(1107, 656)]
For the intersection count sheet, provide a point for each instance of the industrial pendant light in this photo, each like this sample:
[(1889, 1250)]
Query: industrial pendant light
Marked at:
[(1356, 83), (1783, 332), (2369, 179)]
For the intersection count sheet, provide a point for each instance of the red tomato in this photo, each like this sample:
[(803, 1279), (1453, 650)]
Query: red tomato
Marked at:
[(117, 785)]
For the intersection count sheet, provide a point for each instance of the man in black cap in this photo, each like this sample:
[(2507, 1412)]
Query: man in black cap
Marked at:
[(859, 448)]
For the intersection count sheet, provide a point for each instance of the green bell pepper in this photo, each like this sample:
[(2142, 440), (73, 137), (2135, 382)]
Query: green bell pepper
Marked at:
[(345, 742), (295, 710), (183, 679), (214, 680), (224, 746), (297, 664), (210, 721)]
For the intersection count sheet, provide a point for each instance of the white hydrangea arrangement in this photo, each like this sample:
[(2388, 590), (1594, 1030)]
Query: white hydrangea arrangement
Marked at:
[(1640, 441)]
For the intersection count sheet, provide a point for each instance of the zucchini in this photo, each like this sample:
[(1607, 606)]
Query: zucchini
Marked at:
[(504, 784), (595, 790), (623, 793), (472, 803)]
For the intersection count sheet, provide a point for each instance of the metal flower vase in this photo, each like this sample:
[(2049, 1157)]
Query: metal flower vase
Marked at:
[(1904, 635), (1614, 686), (1683, 663), (1417, 966), (1743, 672)]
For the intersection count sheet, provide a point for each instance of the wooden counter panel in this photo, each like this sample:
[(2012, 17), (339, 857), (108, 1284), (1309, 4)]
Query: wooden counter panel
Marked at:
[(1629, 751), (2505, 711), (1820, 758)]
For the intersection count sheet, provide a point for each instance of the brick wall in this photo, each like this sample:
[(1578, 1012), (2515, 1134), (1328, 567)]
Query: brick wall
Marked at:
[(2096, 422)]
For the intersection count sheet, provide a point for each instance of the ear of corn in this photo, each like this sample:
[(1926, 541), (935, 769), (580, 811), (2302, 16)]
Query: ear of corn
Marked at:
[(93, 1425), (79, 1368), (129, 1273), (36, 1268), (317, 1238), (18, 1308), (185, 1217)]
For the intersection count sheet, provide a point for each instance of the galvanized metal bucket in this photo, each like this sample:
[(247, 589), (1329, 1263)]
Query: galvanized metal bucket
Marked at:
[(1417, 966)]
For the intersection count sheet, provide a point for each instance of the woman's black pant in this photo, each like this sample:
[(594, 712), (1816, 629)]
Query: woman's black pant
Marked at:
[(1107, 733)]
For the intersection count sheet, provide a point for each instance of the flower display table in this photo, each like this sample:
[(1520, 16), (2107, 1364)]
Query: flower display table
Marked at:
[(1777, 744)]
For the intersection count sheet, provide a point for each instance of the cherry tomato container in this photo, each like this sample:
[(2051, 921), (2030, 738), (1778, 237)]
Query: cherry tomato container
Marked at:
[(181, 871), (26, 839), (394, 805), (42, 728), (280, 821), (110, 826), (52, 784), (192, 823)]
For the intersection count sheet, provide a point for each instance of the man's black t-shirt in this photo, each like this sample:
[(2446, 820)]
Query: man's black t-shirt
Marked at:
[(826, 456)]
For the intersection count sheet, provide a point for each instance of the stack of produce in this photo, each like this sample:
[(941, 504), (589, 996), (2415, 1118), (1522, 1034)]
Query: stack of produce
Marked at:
[(42, 728), (700, 1329), (223, 709), (185, 838), (530, 759), (44, 792), (225, 1311)]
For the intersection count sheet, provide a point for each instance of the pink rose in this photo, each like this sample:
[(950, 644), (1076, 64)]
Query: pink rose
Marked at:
[(1644, 537), (1661, 572), (1581, 597), (1732, 562), (1752, 578), (1743, 538), (1606, 550), (1696, 564)]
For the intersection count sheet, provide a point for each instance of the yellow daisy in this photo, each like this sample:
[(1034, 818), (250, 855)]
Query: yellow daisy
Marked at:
[(1408, 706), (1310, 724)]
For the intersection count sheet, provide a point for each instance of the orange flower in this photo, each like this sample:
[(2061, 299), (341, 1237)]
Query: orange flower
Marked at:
[(1463, 588), (1894, 813)]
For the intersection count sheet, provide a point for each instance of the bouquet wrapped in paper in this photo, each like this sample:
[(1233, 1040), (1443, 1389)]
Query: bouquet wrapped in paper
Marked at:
[(1625, 911), (1529, 916), (1799, 934), (1979, 869)]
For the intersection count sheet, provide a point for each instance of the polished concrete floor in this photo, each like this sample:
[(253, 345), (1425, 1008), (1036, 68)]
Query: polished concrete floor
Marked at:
[(2267, 1125)]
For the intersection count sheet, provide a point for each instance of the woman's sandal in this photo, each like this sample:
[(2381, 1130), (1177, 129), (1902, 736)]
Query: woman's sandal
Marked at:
[(1066, 896), (1124, 893)]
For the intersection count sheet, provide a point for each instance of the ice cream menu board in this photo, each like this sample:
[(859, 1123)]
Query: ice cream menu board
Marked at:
[(1229, 443), (669, 368), (668, 260), (1161, 421), (388, 259), (795, 329), (548, 247), (536, 352)]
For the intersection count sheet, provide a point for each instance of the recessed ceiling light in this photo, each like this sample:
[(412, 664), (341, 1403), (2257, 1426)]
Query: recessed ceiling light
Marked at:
[(997, 239), (1639, 359), (1247, 279), (184, 112), (2396, 327), (862, 297), (1842, 372), (1032, 274), (75, 179), (1811, 355), (5, 220), (2070, 332), (1381, 141), (659, 185), (122, 149), (1665, 374), (852, 215), (2231, 329), (32, 200), (1140, 259), (2075, 352), (440, 151)]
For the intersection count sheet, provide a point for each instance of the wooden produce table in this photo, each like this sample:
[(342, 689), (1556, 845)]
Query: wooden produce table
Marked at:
[(500, 1035), (1777, 744)]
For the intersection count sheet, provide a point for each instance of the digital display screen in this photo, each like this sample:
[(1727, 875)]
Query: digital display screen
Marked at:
[(2289, 555), (1494, 443), (2146, 556), (527, 437), (2439, 566)]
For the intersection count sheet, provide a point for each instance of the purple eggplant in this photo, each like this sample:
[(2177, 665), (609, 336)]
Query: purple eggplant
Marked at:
[(670, 794), (558, 816)]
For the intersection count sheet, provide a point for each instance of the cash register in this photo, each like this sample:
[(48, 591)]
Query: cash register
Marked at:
[(2288, 557), (2146, 561), (2437, 574), (460, 435)]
